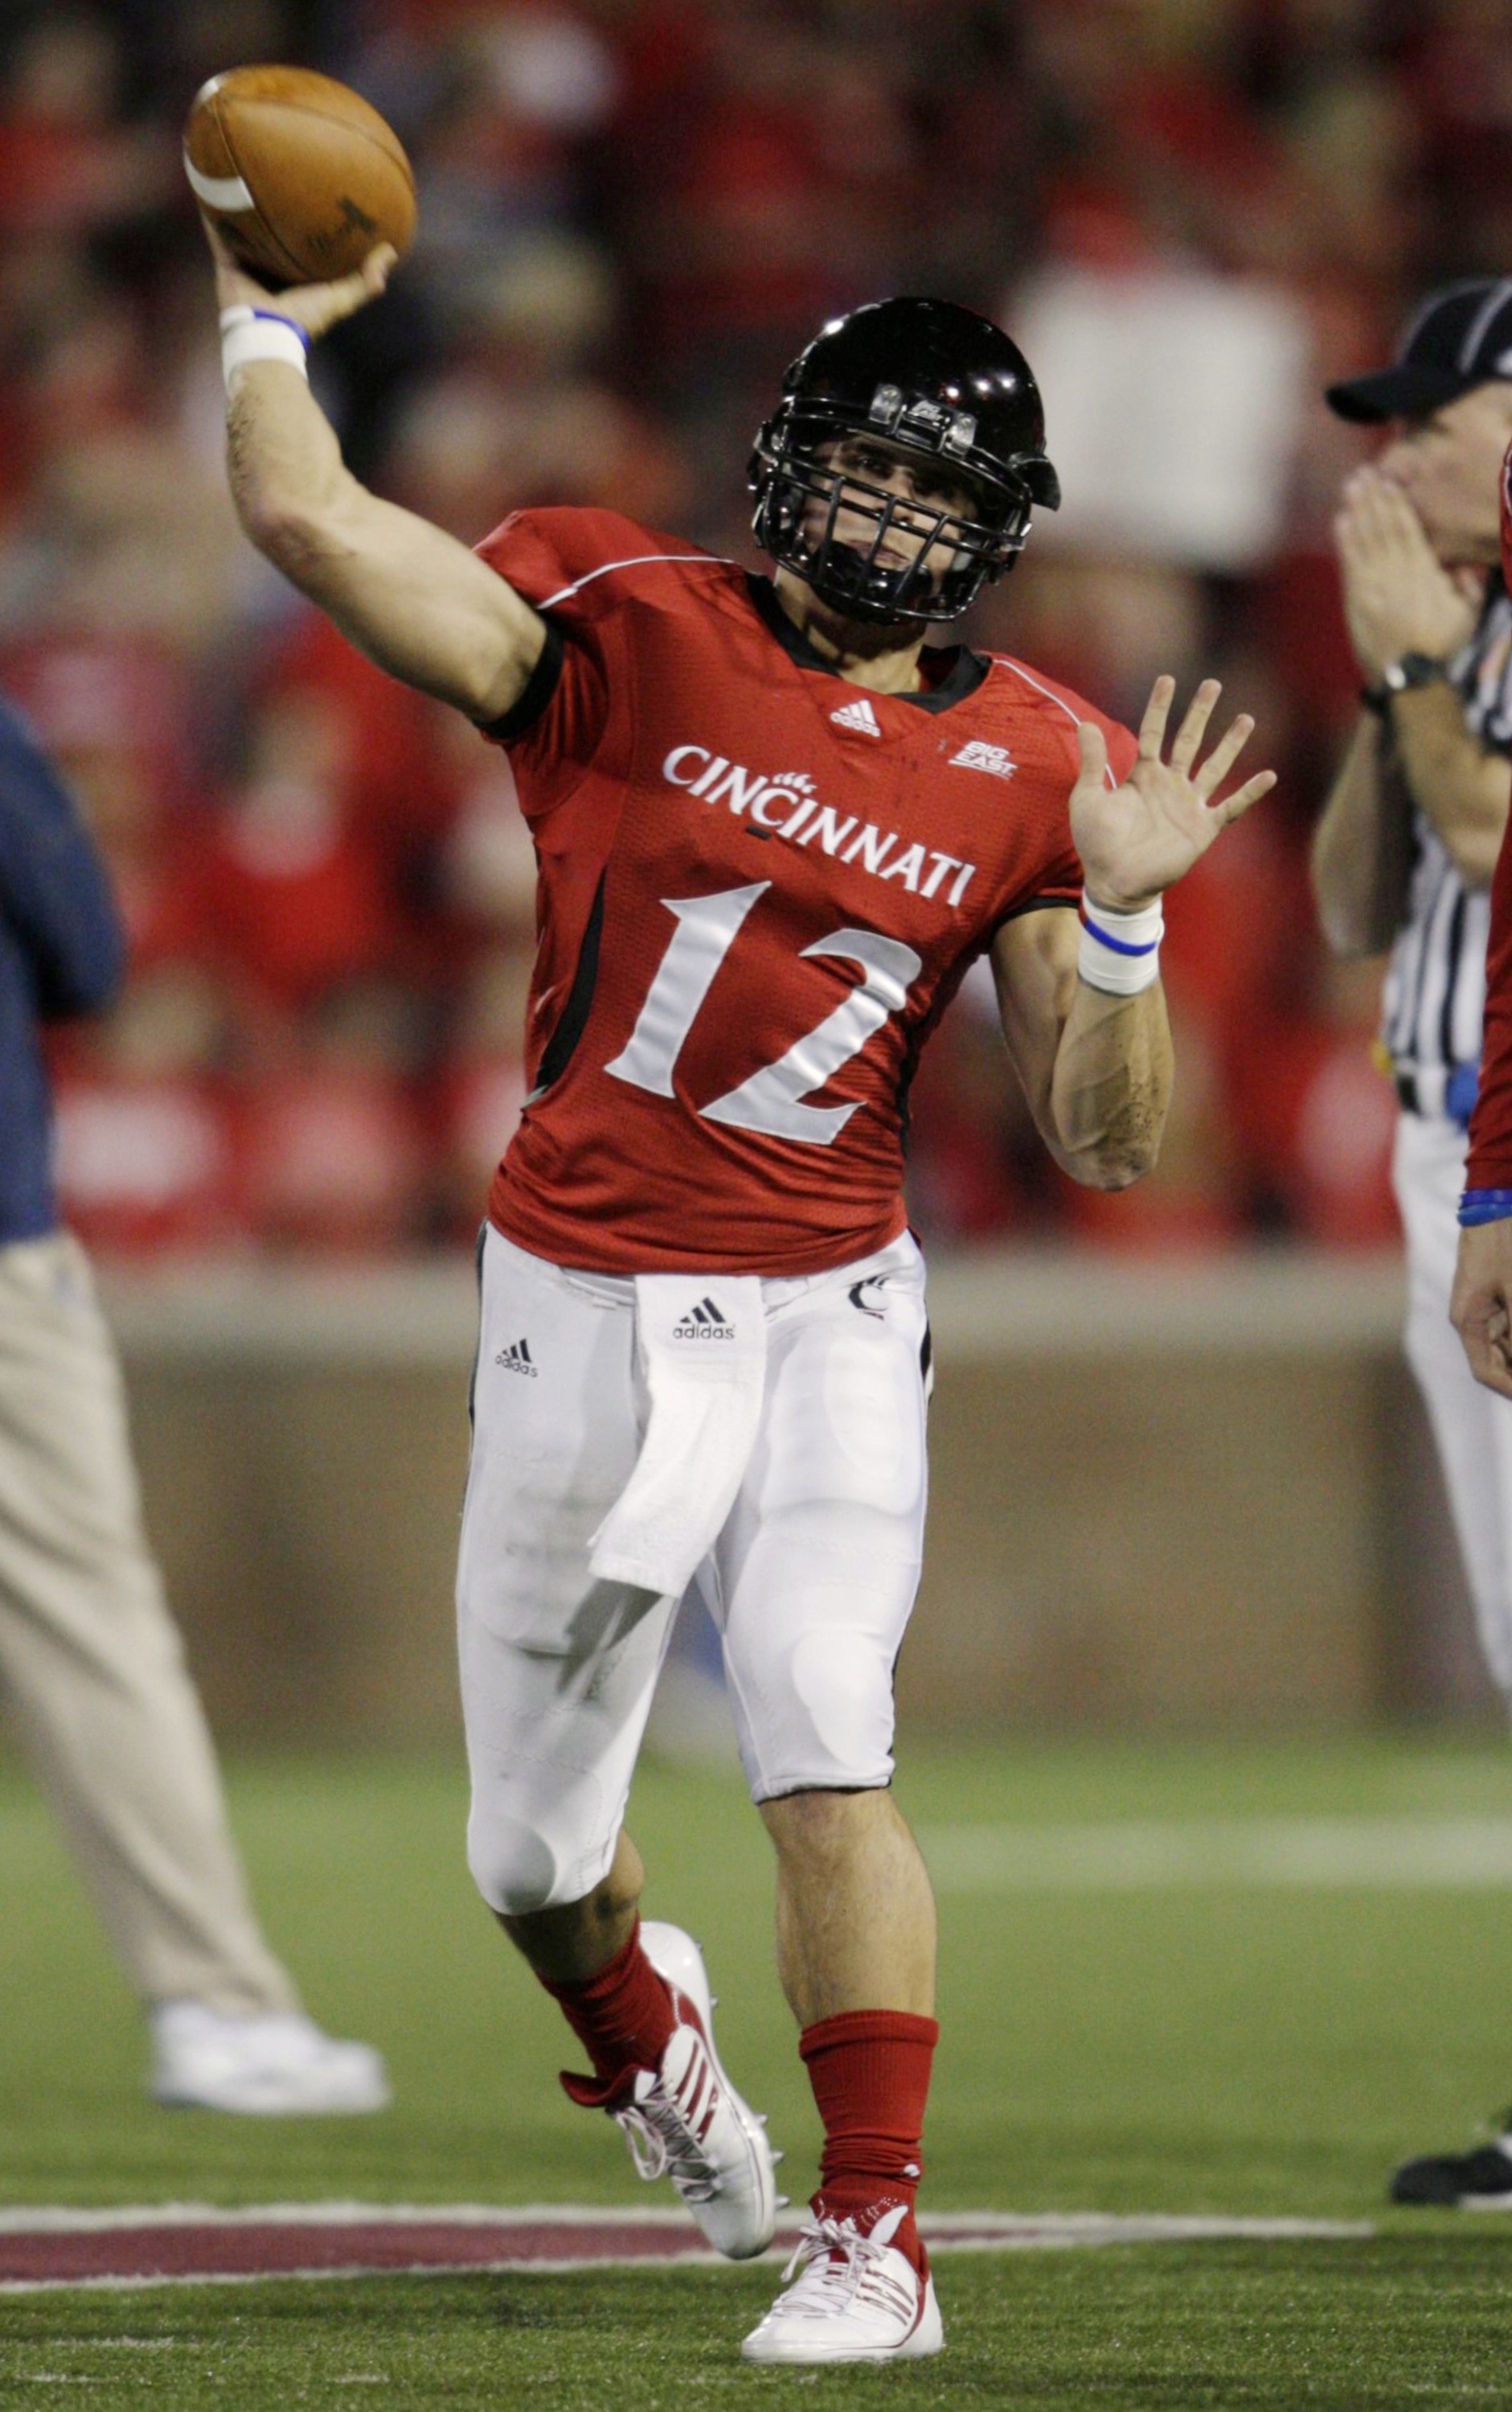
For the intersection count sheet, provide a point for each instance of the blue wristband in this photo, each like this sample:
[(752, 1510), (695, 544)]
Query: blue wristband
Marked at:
[(1119, 946), (1483, 1206), (280, 320)]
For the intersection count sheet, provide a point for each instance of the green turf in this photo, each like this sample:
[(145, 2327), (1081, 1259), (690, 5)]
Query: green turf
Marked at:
[(1214, 2050), (1374, 2328)]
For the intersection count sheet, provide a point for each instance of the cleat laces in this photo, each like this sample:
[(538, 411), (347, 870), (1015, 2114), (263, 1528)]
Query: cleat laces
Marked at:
[(663, 2145), (835, 2267)]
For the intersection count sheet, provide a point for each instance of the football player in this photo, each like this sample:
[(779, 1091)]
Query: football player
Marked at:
[(775, 826)]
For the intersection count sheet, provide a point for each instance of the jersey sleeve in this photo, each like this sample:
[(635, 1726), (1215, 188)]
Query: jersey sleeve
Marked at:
[(1489, 1162), (559, 725)]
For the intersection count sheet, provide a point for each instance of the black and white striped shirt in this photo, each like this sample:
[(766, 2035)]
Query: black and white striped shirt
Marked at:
[(1435, 990)]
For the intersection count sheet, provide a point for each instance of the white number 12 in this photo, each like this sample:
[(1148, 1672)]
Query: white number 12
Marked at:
[(771, 1101)]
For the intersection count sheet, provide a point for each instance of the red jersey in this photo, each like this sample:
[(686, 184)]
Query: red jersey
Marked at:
[(1489, 1163), (760, 887)]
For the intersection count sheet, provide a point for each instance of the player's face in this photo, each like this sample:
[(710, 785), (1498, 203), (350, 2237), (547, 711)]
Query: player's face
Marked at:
[(873, 473), (1448, 465)]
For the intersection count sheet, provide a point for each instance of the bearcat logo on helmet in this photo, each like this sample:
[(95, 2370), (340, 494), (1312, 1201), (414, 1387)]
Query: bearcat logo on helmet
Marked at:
[(933, 379)]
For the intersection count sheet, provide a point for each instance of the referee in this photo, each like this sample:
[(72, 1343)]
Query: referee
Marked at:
[(1404, 857)]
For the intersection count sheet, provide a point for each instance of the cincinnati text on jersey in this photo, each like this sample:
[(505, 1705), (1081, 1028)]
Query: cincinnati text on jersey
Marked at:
[(787, 805)]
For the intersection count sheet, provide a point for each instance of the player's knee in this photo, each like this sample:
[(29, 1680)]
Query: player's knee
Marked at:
[(512, 1863)]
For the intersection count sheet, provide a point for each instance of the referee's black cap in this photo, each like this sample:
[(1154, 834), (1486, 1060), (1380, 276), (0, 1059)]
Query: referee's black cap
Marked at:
[(1460, 337)]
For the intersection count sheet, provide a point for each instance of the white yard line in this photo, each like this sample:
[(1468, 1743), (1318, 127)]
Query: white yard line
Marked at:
[(1319, 1854)]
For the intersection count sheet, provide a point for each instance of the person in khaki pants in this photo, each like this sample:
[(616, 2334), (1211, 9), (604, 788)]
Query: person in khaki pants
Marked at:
[(91, 1670)]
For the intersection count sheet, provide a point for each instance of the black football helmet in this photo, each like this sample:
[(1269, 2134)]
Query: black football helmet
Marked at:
[(931, 378)]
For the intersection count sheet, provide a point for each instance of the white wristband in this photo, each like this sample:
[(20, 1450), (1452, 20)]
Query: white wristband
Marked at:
[(248, 334), (1119, 952)]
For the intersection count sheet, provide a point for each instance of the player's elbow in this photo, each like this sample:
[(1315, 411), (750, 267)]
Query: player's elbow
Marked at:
[(1117, 1162), (1120, 1167), (296, 538), (1115, 1147)]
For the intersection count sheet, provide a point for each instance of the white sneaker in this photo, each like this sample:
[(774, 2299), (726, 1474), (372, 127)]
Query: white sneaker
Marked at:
[(854, 2299), (686, 2121), (273, 2066)]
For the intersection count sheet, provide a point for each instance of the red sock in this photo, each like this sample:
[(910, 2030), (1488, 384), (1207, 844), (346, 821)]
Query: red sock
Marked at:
[(621, 2015), (869, 2071)]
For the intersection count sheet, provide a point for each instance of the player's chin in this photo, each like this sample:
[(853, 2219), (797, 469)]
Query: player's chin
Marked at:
[(868, 619)]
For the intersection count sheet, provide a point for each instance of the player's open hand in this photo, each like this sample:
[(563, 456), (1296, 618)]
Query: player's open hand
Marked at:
[(1136, 839), (313, 307), (1480, 1306), (1399, 598)]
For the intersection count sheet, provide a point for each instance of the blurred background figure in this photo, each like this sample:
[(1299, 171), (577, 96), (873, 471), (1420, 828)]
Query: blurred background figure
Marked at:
[(90, 1660)]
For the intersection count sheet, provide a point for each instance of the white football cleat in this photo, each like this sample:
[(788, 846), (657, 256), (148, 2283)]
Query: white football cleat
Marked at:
[(854, 2299), (276, 2066), (686, 2121)]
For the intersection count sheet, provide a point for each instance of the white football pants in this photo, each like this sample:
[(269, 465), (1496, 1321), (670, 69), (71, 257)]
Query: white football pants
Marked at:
[(811, 1581), (1471, 1425)]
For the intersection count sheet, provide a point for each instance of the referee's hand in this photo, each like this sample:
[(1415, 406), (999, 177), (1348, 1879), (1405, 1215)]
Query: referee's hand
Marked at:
[(1480, 1308)]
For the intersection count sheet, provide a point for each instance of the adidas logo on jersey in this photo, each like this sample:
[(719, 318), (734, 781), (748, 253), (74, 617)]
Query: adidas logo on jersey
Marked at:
[(976, 754), (517, 1359), (706, 1321), (858, 715)]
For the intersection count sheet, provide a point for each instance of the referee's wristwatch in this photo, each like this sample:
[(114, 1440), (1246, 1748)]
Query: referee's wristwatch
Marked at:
[(1409, 670)]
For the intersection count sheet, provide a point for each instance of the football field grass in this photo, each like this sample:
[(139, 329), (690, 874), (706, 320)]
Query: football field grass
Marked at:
[(1227, 1980)]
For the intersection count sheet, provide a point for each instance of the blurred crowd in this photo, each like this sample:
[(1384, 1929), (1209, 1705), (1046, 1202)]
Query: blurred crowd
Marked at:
[(1193, 212)]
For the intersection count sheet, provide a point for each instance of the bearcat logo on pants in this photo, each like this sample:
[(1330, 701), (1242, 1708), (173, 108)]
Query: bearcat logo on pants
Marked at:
[(706, 1321)]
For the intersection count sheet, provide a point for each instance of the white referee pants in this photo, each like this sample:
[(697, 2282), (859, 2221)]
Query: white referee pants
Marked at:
[(1471, 1425), (811, 1581)]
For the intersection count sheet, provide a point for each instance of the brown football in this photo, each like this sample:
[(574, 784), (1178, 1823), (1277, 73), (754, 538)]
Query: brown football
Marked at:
[(299, 176)]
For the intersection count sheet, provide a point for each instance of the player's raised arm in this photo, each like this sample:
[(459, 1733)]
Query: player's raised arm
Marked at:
[(412, 597), (1084, 1012)]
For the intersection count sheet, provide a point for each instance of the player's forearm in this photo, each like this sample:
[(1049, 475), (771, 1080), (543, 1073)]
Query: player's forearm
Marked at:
[(284, 464), (1361, 848), (1112, 1087), (1461, 787)]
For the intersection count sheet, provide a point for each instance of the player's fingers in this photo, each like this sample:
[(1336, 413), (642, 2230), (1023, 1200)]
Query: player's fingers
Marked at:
[(320, 306), (1092, 747), (232, 283), (379, 266), (1193, 725), (1156, 712), (1478, 1312), (1488, 1361), (1216, 770), (1242, 798)]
